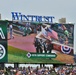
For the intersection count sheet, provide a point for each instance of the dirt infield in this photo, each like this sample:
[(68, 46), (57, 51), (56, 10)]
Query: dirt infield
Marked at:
[(26, 43), (65, 58)]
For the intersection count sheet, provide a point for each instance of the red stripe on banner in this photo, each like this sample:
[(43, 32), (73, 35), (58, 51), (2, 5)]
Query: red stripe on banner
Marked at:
[(65, 49)]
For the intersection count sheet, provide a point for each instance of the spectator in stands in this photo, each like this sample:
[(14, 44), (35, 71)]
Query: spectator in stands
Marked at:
[(60, 26), (66, 41), (64, 27), (57, 70), (61, 40), (66, 33), (27, 25)]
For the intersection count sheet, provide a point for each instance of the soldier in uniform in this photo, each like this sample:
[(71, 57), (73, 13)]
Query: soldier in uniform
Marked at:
[(49, 46), (45, 47), (38, 45)]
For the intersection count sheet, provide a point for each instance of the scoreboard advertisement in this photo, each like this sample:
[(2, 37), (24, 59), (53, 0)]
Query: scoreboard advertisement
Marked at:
[(36, 40), (3, 42)]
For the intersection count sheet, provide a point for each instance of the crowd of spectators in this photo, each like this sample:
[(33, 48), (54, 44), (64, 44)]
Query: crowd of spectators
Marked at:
[(57, 70)]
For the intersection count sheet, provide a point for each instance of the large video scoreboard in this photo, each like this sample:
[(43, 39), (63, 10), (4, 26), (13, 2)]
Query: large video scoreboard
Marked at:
[(35, 42)]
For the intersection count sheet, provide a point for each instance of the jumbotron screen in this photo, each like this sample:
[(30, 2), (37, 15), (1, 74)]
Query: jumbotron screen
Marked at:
[(36, 42)]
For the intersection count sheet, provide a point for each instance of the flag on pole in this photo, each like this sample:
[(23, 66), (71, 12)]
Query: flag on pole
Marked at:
[(44, 32), (52, 33)]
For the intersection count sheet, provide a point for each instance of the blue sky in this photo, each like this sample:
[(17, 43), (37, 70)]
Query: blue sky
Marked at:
[(56, 8)]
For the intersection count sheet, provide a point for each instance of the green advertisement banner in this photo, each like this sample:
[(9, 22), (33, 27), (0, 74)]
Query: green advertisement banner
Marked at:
[(3, 41), (41, 55)]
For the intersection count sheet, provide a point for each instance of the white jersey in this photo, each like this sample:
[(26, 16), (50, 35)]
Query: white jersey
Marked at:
[(10, 26)]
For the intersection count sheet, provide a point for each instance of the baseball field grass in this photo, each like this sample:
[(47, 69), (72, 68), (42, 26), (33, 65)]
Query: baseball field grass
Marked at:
[(16, 55)]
